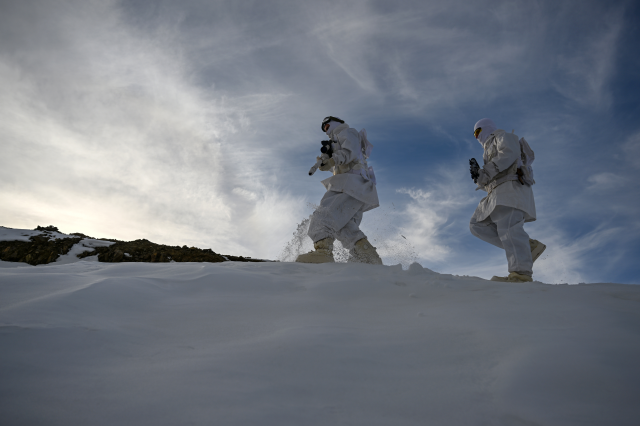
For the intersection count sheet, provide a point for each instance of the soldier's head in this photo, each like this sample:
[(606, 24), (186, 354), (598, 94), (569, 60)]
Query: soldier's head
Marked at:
[(330, 122), (483, 129)]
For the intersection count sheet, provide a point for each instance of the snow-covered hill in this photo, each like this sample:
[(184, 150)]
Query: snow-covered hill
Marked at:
[(89, 343)]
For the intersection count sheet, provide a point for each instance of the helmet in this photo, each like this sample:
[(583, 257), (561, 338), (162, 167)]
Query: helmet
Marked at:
[(329, 119)]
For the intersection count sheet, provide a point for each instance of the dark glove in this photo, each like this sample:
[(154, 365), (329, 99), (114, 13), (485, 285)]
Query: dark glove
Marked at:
[(474, 167)]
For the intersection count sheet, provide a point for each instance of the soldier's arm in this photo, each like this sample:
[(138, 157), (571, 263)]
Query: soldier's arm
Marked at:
[(508, 153), (349, 142)]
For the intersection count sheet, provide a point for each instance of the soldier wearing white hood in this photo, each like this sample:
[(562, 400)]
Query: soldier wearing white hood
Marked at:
[(501, 215), (351, 191)]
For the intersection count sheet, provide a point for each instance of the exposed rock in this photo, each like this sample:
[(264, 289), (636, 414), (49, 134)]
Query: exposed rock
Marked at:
[(146, 251), (39, 250), (49, 228), (44, 248)]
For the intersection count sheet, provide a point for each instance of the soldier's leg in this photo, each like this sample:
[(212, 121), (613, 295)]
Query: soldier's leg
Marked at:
[(486, 230), (351, 233), (322, 230), (360, 248), (339, 216), (336, 210), (515, 241)]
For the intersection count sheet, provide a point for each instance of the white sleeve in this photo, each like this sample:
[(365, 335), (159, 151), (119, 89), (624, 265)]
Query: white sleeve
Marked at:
[(508, 153), (350, 148)]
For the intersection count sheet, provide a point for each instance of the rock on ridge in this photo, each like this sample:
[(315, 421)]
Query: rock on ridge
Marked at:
[(48, 246)]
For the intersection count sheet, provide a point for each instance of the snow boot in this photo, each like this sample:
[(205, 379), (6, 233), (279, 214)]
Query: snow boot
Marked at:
[(536, 248), (323, 253), (364, 252), (514, 277)]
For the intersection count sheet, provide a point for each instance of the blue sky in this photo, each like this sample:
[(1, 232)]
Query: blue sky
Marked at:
[(196, 122)]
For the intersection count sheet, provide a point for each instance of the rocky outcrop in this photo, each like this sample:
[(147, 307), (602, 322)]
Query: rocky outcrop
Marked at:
[(44, 248), (146, 251), (39, 249)]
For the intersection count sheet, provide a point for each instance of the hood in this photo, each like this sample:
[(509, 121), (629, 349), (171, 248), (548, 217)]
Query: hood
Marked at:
[(335, 128), (488, 127), (328, 120)]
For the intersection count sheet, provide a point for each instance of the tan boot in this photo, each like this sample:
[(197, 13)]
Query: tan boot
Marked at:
[(514, 277), (536, 248), (364, 252), (323, 253)]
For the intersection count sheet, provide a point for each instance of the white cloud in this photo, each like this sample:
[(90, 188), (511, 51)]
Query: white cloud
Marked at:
[(605, 181), (631, 149), (104, 133), (427, 218), (587, 258), (249, 195), (588, 69)]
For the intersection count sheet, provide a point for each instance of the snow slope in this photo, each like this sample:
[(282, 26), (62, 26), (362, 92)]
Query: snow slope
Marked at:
[(12, 234), (232, 343)]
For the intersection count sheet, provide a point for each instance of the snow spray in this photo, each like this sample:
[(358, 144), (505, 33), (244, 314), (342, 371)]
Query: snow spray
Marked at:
[(392, 247)]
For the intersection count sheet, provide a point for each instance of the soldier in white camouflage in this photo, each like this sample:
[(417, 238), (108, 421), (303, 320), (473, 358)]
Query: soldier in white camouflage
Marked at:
[(500, 217), (351, 191)]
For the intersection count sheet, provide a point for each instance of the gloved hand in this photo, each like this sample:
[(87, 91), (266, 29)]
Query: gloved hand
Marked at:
[(327, 164), (474, 167)]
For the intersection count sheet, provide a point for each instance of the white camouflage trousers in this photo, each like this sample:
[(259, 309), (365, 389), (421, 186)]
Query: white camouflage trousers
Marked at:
[(338, 216), (504, 228)]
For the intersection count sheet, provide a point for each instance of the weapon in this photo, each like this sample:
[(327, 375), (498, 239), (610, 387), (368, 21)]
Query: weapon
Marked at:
[(474, 169), (326, 148), (321, 159), (327, 152)]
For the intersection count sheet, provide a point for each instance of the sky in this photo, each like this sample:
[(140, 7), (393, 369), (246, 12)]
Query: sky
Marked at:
[(195, 122)]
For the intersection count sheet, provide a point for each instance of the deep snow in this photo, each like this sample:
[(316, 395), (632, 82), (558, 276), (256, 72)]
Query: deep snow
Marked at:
[(234, 343)]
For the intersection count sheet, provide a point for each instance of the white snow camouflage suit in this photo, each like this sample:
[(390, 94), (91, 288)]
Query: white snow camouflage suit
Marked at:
[(350, 191), (499, 218)]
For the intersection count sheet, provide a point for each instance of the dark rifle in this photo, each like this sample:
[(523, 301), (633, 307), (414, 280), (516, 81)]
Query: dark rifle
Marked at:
[(327, 152)]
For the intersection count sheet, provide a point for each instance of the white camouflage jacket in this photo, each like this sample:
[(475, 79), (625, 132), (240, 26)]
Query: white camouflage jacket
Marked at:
[(501, 153), (349, 174)]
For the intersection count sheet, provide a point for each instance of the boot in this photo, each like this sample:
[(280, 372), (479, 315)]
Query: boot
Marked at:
[(323, 253), (536, 248), (364, 252), (514, 277)]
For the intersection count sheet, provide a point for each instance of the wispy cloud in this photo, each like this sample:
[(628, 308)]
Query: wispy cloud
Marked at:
[(105, 123), (588, 69), (605, 181), (434, 218), (592, 257), (631, 149), (196, 122)]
